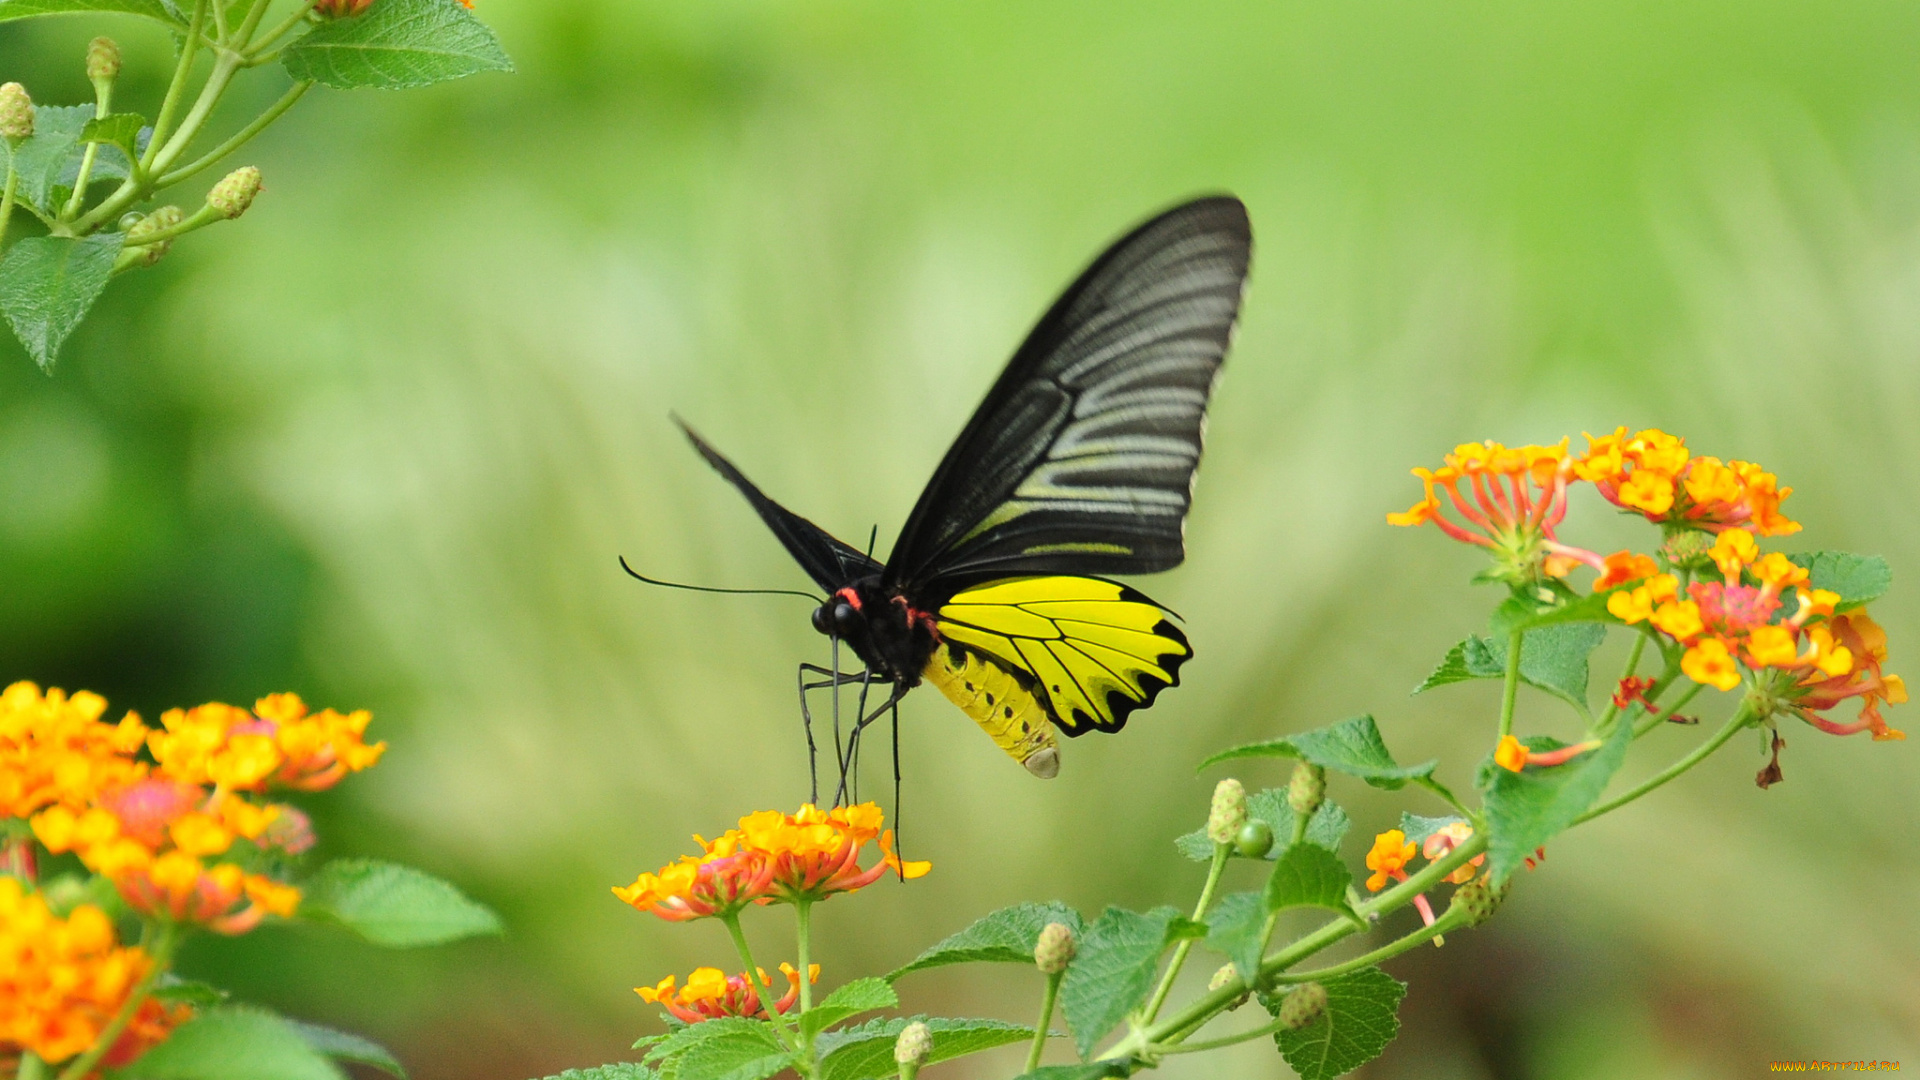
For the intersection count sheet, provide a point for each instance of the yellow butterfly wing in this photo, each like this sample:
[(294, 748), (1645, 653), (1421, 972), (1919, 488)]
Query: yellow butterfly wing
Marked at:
[(1083, 652)]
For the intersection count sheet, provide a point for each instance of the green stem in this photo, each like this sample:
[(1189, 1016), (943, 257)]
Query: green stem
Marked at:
[(163, 123), (1224, 1041), (161, 955), (267, 39), (1633, 664), (1221, 852), (251, 23), (1657, 717), (102, 104), (31, 1067), (1046, 1020), (1510, 691), (1450, 919), (6, 201), (803, 933), (239, 139), (779, 1020), (1740, 719), (224, 68)]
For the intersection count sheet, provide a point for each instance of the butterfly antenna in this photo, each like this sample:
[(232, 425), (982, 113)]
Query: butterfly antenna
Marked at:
[(872, 536), (631, 572)]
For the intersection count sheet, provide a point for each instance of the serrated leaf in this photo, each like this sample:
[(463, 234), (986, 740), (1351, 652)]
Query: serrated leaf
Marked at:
[(171, 987), (1859, 579), (1362, 1017), (685, 1036), (393, 905), (1554, 659), (234, 1043), (21, 9), (866, 1052), (1418, 828), (346, 1046), (1006, 936), (120, 129), (1526, 809), (1236, 930), (1087, 1070), (624, 1070), (1351, 746), (42, 159), (856, 997), (1309, 875), (1518, 613), (397, 44), (1114, 967), (745, 1053), (47, 285)]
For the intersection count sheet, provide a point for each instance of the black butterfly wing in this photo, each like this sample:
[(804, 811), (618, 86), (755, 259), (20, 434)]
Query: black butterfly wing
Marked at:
[(1081, 458), (831, 563)]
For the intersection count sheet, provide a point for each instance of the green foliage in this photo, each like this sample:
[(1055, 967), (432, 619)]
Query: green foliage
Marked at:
[(1418, 828), (665, 1051), (1113, 972), (1007, 936), (1859, 579), (866, 1052), (1553, 658), (21, 9), (1327, 827), (392, 905), (624, 1070), (1351, 746), (741, 1052), (120, 130), (1309, 875), (1088, 1070), (47, 283), (1526, 809), (1236, 930), (859, 996), (234, 1042), (397, 44), (171, 987), (1519, 613), (1362, 1017), (346, 1046), (42, 160)]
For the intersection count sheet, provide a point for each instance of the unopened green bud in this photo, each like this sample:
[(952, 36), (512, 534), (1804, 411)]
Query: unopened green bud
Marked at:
[(16, 111), (164, 218), (1308, 788), (913, 1045), (1302, 1006), (1229, 811), (103, 60), (1254, 839), (1686, 549), (235, 192), (1479, 899), (1055, 949), (1224, 976)]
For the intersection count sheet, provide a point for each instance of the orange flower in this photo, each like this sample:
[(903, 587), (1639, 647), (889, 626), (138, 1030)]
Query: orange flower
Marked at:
[(1623, 568), (1389, 858), (1510, 755), (282, 745), (55, 750), (1513, 500), (62, 980), (1654, 474), (710, 995), (1711, 664), (1444, 840), (1820, 689)]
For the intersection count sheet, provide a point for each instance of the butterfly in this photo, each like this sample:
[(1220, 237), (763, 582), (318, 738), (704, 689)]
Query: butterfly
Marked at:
[(1079, 464)]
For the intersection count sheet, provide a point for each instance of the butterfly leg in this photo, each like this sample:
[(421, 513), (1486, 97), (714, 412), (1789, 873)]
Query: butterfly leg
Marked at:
[(829, 678), (849, 778)]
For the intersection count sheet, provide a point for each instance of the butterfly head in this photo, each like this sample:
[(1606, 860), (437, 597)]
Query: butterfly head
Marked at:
[(892, 636)]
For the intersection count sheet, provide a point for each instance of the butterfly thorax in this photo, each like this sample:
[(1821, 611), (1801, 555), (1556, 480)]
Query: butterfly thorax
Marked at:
[(886, 631)]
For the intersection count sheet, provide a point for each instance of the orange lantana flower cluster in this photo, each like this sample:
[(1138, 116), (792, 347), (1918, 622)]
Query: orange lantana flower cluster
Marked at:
[(1653, 474), (62, 980), (56, 751), (1514, 499), (710, 994), (772, 857)]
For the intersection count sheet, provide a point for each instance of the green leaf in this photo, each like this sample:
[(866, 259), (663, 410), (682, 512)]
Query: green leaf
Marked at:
[(234, 1043), (1113, 970), (1526, 809), (1236, 930), (624, 1070), (188, 992), (120, 129), (47, 283), (1006, 936), (1351, 746), (1309, 875), (866, 1052), (1418, 828), (1859, 579), (397, 44), (1090, 1070), (42, 159), (856, 997), (346, 1046), (743, 1053), (1518, 613), (392, 905), (1327, 827), (1361, 1019), (1553, 659), (21, 9), (682, 1038)]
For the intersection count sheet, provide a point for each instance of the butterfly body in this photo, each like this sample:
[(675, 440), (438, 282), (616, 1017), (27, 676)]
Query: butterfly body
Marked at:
[(1079, 463)]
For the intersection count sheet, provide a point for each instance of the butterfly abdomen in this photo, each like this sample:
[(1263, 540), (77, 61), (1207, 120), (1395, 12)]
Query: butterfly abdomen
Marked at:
[(1008, 711)]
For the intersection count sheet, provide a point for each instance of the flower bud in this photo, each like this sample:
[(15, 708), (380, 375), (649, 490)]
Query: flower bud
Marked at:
[(1229, 811), (1302, 1006), (1225, 975), (16, 111), (1307, 789), (913, 1045), (164, 218), (1479, 899), (233, 194), (1055, 949), (1686, 549), (1254, 839), (103, 60)]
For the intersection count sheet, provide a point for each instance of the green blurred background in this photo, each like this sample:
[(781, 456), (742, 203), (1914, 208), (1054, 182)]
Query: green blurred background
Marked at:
[(381, 441)]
